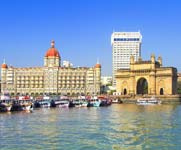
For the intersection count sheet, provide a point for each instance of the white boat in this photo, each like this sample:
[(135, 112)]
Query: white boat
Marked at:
[(84, 103), (44, 103), (77, 103), (62, 104), (27, 106), (148, 101), (115, 100)]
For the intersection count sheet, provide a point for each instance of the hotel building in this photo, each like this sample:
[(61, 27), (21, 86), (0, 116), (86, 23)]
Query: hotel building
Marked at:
[(52, 78), (124, 45)]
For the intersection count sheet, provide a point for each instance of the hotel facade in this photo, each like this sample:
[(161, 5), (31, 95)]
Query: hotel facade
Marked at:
[(124, 45), (52, 78)]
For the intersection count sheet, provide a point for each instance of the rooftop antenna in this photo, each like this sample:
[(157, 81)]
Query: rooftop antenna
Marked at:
[(4, 62)]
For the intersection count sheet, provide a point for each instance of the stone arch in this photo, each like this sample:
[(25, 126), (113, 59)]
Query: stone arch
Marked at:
[(124, 88), (142, 86)]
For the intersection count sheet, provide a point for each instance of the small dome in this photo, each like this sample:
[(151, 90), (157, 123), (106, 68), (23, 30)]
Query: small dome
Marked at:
[(4, 66), (52, 52), (98, 66)]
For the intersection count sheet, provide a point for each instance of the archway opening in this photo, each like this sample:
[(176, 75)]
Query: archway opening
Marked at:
[(125, 92), (142, 86), (161, 91)]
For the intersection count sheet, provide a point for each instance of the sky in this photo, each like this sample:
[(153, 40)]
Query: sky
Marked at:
[(82, 30)]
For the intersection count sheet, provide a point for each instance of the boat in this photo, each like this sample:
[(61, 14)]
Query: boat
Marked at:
[(148, 101), (16, 106), (36, 104), (94, 103), (84, 103), (115, 100), (105, 102), (27, 106), (22, 105), (77, 103), (5, 105), (44, 103), (61, 103), (71, 103)]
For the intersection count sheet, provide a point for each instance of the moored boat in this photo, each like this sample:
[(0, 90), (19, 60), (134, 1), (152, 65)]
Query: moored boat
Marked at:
[(22, 105), (44, 103), (5, 106), (94, 103), (84, 103), (105, 102), (27, 106), (77, 103), (148, 101), (61, 103)]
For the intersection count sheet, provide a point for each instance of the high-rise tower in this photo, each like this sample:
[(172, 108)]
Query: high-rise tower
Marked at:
[(124, 45)]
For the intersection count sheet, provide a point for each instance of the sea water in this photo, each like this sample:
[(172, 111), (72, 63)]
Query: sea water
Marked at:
[(119, 126)]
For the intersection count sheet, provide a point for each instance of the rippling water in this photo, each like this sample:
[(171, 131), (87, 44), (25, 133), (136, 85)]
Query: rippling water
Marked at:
[(120, 126)]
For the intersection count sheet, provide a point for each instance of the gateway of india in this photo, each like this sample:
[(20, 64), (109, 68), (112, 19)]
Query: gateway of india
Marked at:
[(147, 78), (52, 78)]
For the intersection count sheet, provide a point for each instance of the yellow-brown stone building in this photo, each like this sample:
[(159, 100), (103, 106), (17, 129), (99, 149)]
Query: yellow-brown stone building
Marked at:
[(147, 77), (52, 78)]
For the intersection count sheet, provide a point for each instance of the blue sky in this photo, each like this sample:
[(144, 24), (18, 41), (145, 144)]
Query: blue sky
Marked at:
[(82, 30)]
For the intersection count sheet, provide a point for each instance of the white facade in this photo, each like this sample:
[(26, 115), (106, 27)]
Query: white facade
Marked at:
[(124, 44), (105, 80)]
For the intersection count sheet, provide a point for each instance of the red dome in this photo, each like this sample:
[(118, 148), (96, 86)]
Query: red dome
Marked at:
[(4, 66), (52, 52), (98, 66)]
